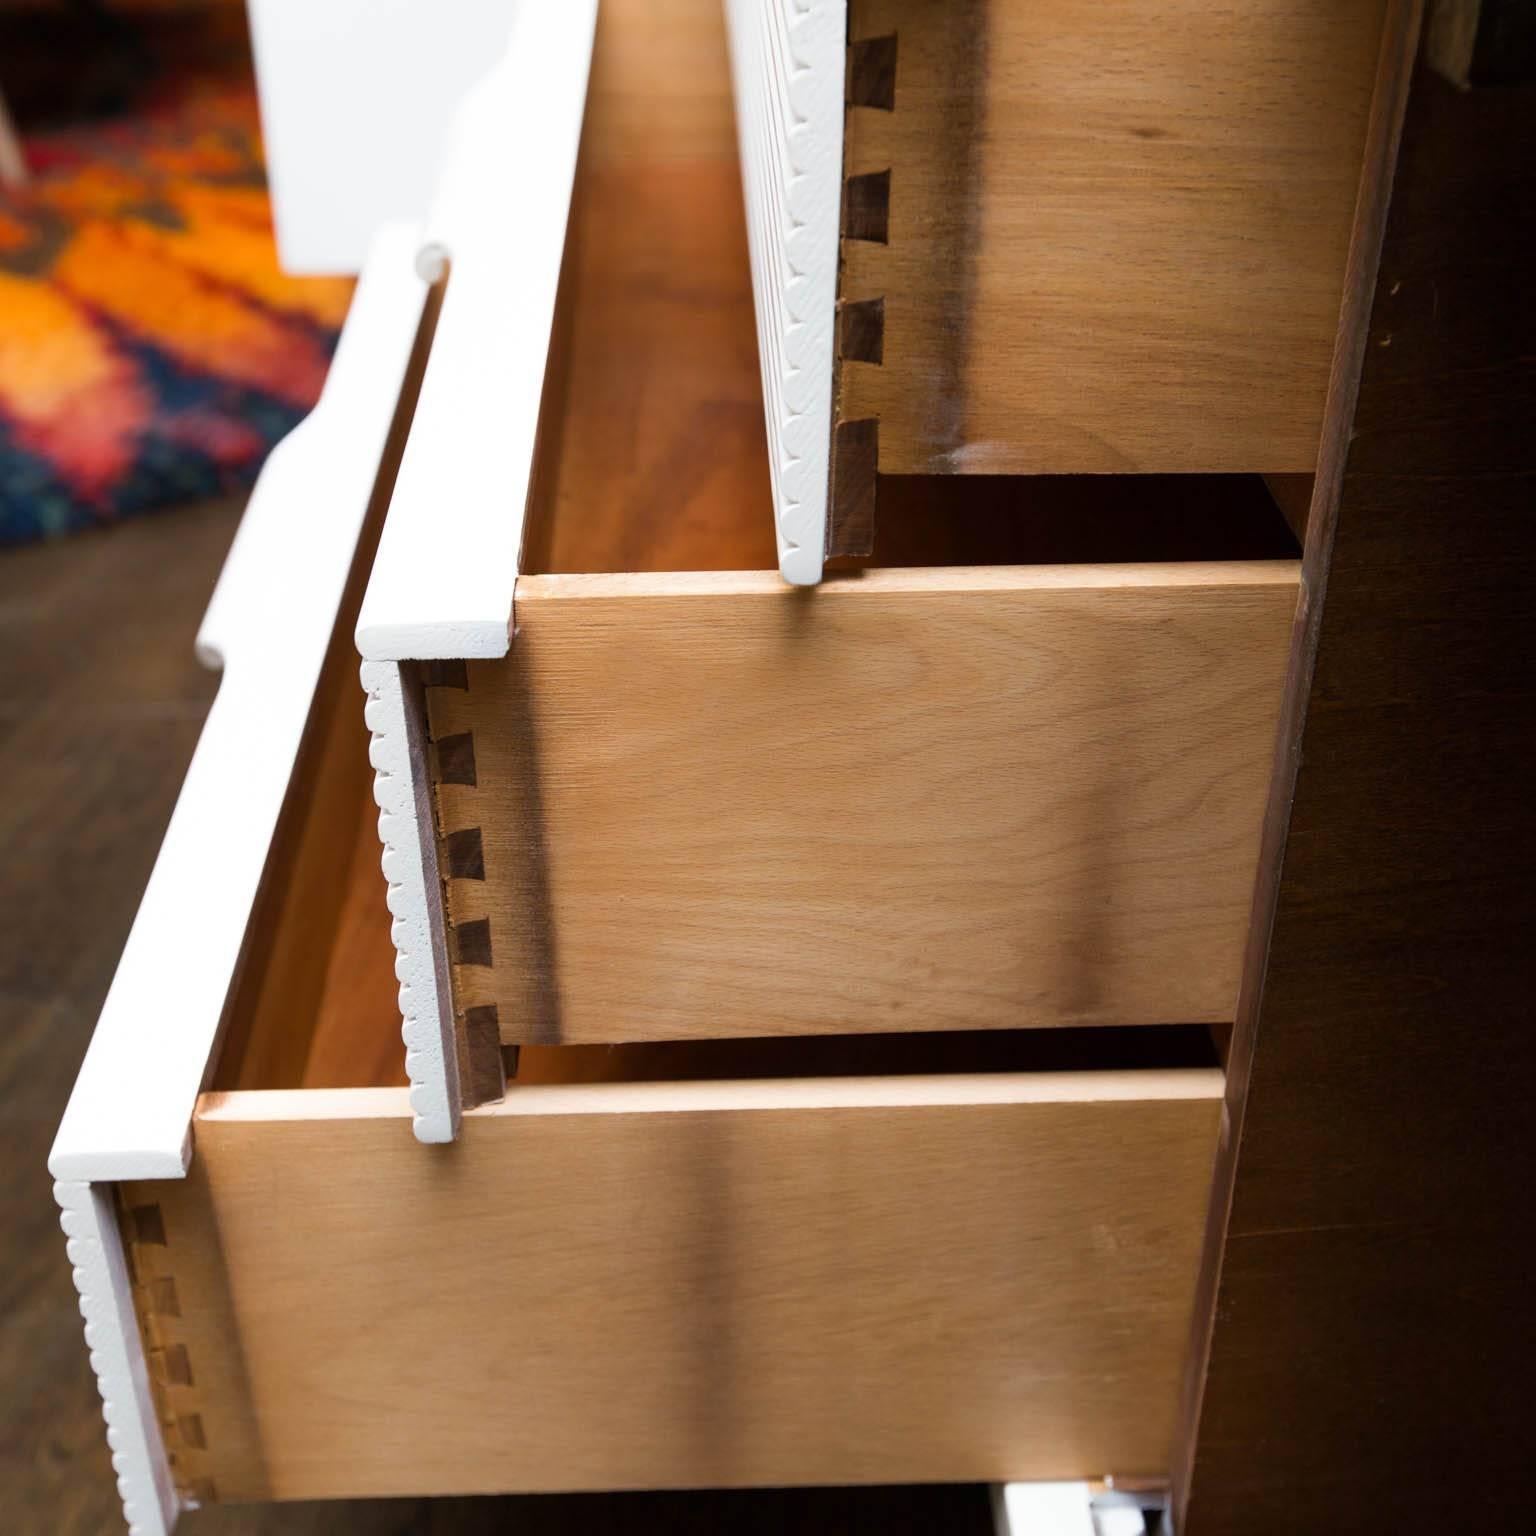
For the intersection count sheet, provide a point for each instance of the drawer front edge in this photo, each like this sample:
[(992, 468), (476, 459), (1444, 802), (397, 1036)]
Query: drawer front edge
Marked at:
[(787, 67), (99, 1268)]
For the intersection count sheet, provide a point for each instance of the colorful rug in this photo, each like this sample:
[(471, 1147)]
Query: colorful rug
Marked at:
[(151, 351)]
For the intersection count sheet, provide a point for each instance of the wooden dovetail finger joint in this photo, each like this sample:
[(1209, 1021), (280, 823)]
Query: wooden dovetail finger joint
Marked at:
[(872, 72), (172, 1371), (860, 339), (461, 868)]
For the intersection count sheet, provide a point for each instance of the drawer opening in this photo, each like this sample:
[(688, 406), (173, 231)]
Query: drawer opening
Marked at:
[(652, 454)]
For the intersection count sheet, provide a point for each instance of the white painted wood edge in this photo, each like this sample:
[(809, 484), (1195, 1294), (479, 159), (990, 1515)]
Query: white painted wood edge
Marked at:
[(395, 715), (1042, 1509), (100, 1272), (787, 62), (442, 581), (269, 623)]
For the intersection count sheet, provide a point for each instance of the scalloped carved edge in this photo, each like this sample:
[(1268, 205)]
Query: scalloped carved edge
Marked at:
[(787, 60), (100, 1272), (395, 714)]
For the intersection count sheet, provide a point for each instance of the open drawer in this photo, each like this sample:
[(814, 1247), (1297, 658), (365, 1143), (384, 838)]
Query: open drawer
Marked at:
[(1008, 774), (1062, 236)]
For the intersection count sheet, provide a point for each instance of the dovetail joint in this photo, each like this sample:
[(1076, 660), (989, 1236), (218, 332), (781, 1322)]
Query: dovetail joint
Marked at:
[(872, 73), (461, 857), (867, 207), (157, 1305), (870, 83)]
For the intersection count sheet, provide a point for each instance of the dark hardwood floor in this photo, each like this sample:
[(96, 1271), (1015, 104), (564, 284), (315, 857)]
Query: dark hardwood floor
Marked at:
[(100, 707)]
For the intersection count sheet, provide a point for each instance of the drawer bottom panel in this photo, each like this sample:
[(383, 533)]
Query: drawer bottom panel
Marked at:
[(704, 1284)]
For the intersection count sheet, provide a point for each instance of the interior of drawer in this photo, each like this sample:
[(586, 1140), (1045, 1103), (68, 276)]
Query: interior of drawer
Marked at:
[(652, 458), (653, 396)]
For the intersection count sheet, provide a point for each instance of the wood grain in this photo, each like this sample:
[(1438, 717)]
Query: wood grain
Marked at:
[(934, 799), (1116, 232), (656, 400), (288, 954), (1371, 1342), (661, 85), (691, 1285), (651, 452)]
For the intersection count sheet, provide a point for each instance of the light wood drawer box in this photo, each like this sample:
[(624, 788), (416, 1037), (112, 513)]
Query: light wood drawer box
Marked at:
[(706, 1284), (644, 790), (1043, 238), (929, 1259)]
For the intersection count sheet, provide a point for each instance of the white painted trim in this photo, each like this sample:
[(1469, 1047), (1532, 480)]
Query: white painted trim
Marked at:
[(442, 582), (100, 1272), (357, 97), (400, 786), (269, 624), (787, 59)]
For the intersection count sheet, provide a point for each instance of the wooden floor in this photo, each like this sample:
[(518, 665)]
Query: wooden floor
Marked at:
[(100, 707)]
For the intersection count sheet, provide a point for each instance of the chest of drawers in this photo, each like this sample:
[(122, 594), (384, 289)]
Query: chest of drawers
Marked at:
[(810, 990)]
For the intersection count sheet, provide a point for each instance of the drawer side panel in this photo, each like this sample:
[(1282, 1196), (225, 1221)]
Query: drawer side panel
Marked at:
[(710, 806), (865, 1292), (1112, 233)]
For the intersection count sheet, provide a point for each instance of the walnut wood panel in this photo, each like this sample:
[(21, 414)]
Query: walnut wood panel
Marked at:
[(1108, 236), (637, 1285), (1370, 1328), (939, 799)]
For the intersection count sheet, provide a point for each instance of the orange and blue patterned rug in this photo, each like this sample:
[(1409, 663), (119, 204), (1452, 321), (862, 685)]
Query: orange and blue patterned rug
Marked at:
[(151, 351)]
